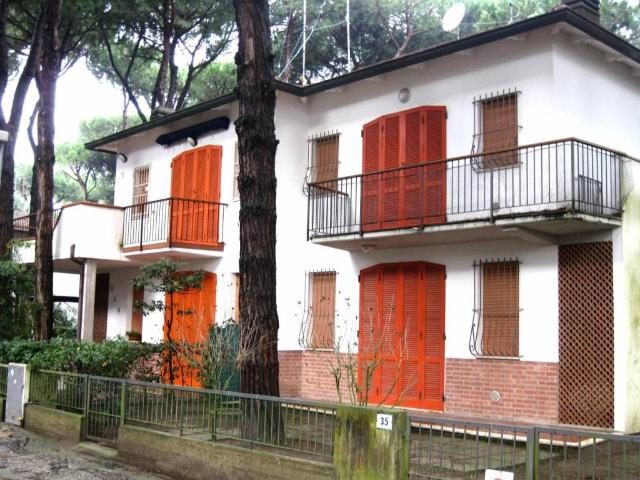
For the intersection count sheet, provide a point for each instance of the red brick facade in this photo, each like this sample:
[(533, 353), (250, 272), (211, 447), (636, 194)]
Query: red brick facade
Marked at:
[(528, 390), (307, 374)]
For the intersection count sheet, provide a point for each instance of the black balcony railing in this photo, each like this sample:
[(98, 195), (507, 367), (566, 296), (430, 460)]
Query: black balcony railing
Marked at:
[(566, 175), (24, 228), (173, 222)]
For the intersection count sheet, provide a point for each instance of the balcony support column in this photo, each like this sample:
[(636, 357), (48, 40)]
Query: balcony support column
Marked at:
[(88, 299)]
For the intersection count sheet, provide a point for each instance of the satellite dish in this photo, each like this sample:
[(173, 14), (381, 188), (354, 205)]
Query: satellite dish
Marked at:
[(453, 17)]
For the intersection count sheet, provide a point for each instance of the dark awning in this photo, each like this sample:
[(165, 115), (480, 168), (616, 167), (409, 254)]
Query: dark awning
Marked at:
[(194, 131)]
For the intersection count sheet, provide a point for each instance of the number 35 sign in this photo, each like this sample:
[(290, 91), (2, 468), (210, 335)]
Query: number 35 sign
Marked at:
[(384, 421), (497, 475)]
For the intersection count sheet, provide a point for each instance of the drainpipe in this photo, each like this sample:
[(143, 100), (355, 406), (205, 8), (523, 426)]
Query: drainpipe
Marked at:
[(79, 261)]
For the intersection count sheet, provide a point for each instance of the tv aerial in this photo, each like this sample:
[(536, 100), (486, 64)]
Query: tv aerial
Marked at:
[(453, 17)]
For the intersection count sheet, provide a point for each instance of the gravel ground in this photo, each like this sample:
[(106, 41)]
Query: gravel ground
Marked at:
[(27, 456)]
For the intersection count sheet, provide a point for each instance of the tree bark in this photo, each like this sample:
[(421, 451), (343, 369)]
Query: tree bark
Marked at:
[(12, 126), (257, 185), (47, 77)]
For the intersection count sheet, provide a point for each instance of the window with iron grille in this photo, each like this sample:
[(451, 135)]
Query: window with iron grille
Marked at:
[(140, 188), (318, 323), (496, 128), (323, 157), (496, 323)]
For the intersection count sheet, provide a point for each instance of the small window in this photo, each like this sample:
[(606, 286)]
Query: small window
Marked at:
[(140, 188), (323, 157), (496, 129), (318, 325), (236, 172), (496, 325)]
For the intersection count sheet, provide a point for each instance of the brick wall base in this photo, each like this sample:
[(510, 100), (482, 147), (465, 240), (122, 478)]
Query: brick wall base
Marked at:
[(307, 374), (528, 390)]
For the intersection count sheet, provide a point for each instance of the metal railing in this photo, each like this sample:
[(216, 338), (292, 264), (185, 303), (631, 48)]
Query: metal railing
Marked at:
[(461, 449), (440, 448), (567, 175), (4, 373), (250, 420), (173, 222), (24, 228)]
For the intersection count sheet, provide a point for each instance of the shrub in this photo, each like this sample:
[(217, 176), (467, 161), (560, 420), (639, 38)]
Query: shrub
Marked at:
[(17, 307), (116, 358)]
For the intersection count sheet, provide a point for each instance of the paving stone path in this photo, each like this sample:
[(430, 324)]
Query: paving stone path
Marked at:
[(27, 456)]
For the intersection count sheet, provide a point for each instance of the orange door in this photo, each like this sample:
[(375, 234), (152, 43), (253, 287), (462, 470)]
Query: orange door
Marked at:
[(195, 192), (401, 340), (188, 317), (403, 196)]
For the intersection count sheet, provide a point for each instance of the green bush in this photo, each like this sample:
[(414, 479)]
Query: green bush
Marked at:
[(116, 358), (17, 307)]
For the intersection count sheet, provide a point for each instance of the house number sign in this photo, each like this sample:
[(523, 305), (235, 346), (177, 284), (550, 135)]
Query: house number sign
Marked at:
[(497, 475), (384, 421)]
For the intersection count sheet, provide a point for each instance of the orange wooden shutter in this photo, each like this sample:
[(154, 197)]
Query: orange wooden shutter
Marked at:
[(414, 137), (195, 188), (500, 309), (193, 315), (371, 207), (391, 159), (136, 314), (402, 327), (368, 332), (411, 330), (323, 309), (434, 288), (409, 196), (436, 173)]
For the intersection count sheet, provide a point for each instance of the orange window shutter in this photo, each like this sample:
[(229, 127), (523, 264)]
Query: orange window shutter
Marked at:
[(371, 185), (434, 292), (436, 173), (323, 304), (391, 212), (410, 353), (368, 332), (136, 314), (500, 309), (413, 140)]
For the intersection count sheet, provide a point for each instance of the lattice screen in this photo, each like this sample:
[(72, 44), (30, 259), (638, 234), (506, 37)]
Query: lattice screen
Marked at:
[(586, 334)]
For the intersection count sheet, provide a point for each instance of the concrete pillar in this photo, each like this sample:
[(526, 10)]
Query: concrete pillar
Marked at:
[(88, 299), (17, 392)]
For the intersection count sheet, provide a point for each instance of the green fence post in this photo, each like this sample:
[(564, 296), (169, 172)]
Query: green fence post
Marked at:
[(123, 401), (532, 454), (85, 407)]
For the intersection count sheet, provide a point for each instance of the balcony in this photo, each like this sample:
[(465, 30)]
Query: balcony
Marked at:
[(24, 227), (173, 223), (537, 192)]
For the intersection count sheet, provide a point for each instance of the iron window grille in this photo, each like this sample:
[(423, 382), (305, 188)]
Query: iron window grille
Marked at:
[(322, 157), (140, 190), (496, 128), (317, 329), (496, 313)]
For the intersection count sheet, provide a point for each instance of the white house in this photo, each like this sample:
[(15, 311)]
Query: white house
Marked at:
[(468, 214)]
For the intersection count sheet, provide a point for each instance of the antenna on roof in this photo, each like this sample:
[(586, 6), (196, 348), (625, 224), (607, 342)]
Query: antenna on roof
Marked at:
[(453, 17)]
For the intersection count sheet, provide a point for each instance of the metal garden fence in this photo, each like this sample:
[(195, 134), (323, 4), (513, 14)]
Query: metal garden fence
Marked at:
[(251, 420), (440, 448)]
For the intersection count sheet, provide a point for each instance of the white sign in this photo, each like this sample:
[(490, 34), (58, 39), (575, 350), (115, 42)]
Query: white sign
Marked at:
[(497, 475), (384, 421)]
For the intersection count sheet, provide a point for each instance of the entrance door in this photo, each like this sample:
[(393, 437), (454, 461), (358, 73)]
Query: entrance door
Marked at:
[(195, 192), (404, 177), (401, 338), (101, 307), (188, 317)]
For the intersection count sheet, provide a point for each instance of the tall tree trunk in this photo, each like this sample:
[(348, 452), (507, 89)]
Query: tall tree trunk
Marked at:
[(12, 126), (257, 185), (47, 77)]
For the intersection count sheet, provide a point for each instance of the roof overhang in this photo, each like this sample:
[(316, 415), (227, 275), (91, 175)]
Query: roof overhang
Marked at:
[(616, 48)]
